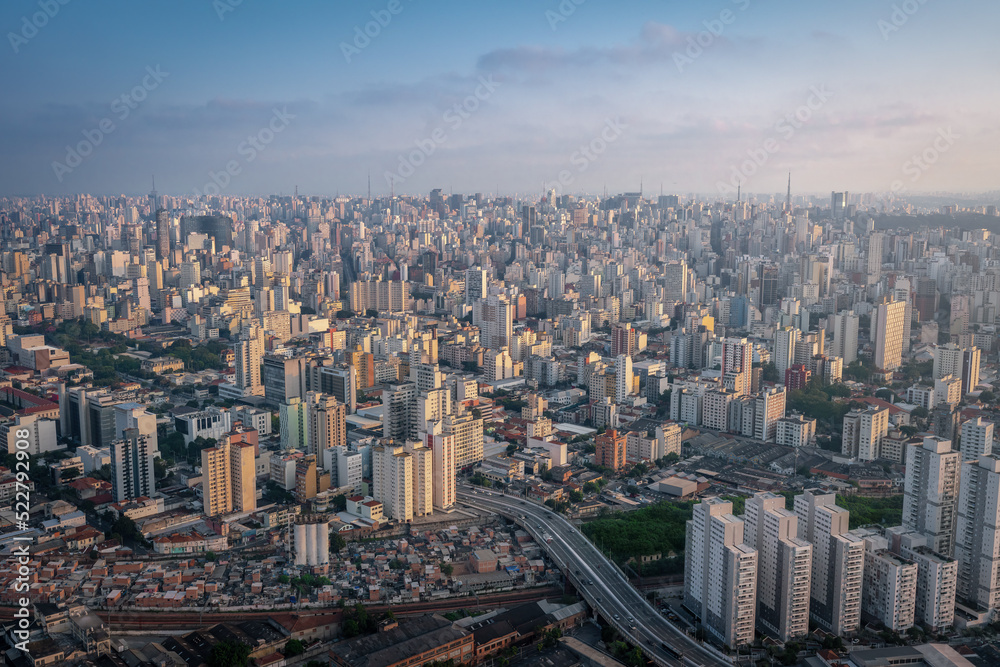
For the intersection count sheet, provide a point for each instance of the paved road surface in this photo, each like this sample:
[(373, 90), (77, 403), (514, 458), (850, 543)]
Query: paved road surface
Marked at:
[(600, 582)]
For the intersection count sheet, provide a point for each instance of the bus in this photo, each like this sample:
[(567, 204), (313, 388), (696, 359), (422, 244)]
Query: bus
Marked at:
[(672, 651)]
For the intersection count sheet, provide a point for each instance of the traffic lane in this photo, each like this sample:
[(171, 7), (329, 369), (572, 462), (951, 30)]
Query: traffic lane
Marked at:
[(627, 602), (627, 597)]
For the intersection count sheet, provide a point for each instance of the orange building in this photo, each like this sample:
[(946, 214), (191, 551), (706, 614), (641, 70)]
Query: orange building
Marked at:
[(611, 449)]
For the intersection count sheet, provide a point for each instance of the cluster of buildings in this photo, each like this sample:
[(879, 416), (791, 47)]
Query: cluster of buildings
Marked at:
[(790, 567)]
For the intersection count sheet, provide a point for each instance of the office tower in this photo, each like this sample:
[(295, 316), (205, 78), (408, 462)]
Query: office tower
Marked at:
[(838, 205), (837, 564), (675, 281), (623, 340), (326, 418), (190, 274), (930, 492), (443, 461), (294, 429), (611, 446), (845, 336), (132, 466), (977, 439), (720, 573), (887, 330), (889, 591), (901, 291), (876, 241), (737, 361), (623, 378), (229, 482), (768, 286), (475, 285), (529, 219), (784, 567), (959, 362), (392, 481), (863, 431), (422, 478), (249, 351), (971, 359), (163, 236), (284, 378), (557, 284), (495, 321), (784, 348), (961, 307), (937, 578), (363, 364), (977, 538)]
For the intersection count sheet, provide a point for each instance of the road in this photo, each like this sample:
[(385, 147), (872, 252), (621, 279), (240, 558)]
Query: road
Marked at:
[(600, 582)]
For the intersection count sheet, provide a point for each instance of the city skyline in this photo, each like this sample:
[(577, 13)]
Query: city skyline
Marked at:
[(693, 99)]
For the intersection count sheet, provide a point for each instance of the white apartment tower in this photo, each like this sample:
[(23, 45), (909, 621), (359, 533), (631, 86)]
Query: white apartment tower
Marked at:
[(887, 330), (930, 492), (845, 336), (977, 538), (837, 565), (784, 567), (976, 439), (720, 573)]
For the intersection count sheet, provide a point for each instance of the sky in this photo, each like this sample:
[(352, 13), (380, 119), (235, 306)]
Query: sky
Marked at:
[(250, 97)]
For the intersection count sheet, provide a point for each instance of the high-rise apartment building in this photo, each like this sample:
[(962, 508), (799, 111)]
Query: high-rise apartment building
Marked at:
[(132, 474), (611, 448), (475, 285), (624, 378), (468, 433), (887, 332), (249, 351), (977, 536), (976, 439), (162, 235), (863, 431), (930, 492), (720, 573), (837, 564), (229, 481), (784, 567), (422, 478), (392, 481), (737, 362), (889, 592), (326, 420), (845, 336), (443, 461), (785, 339)]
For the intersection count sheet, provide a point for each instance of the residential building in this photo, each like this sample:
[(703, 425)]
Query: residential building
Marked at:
[(930, 492), (229, 481), (132, 473)]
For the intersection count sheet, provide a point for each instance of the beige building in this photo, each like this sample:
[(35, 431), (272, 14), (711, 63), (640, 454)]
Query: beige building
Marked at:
[(326, 419), (468, 434), (392, 481), (863, 432), (887, 330), (443, 462), (229, 483)]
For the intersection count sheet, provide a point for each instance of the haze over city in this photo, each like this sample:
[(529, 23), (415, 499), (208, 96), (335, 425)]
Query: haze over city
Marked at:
[(698, 88)]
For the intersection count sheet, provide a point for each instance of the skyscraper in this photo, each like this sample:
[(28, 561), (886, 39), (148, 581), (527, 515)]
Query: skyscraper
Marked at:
[(784, 567), (392, 481), (623, 378), (930, 492), (720, 573), (784, 348), (163, 236), (845, 336), (887, 330), (977, 548), (837, 564), (737, 361), (249, 351), (443, 462)]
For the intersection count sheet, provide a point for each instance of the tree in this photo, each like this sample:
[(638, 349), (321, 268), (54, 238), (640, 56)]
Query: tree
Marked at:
[(769, 372), (447, 569), (229, 654), (294, 647), (337, 542), (920, 412), (590, 487), (159, 468), (340, 503), (575, 496)]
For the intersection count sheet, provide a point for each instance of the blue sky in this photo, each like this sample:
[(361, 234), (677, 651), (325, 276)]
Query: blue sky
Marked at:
[(869, 96)]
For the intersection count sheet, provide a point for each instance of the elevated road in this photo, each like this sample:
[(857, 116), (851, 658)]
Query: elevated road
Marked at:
[(601, 583)]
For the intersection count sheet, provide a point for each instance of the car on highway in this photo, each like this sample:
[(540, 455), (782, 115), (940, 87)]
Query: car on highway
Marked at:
[(617, 617)]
